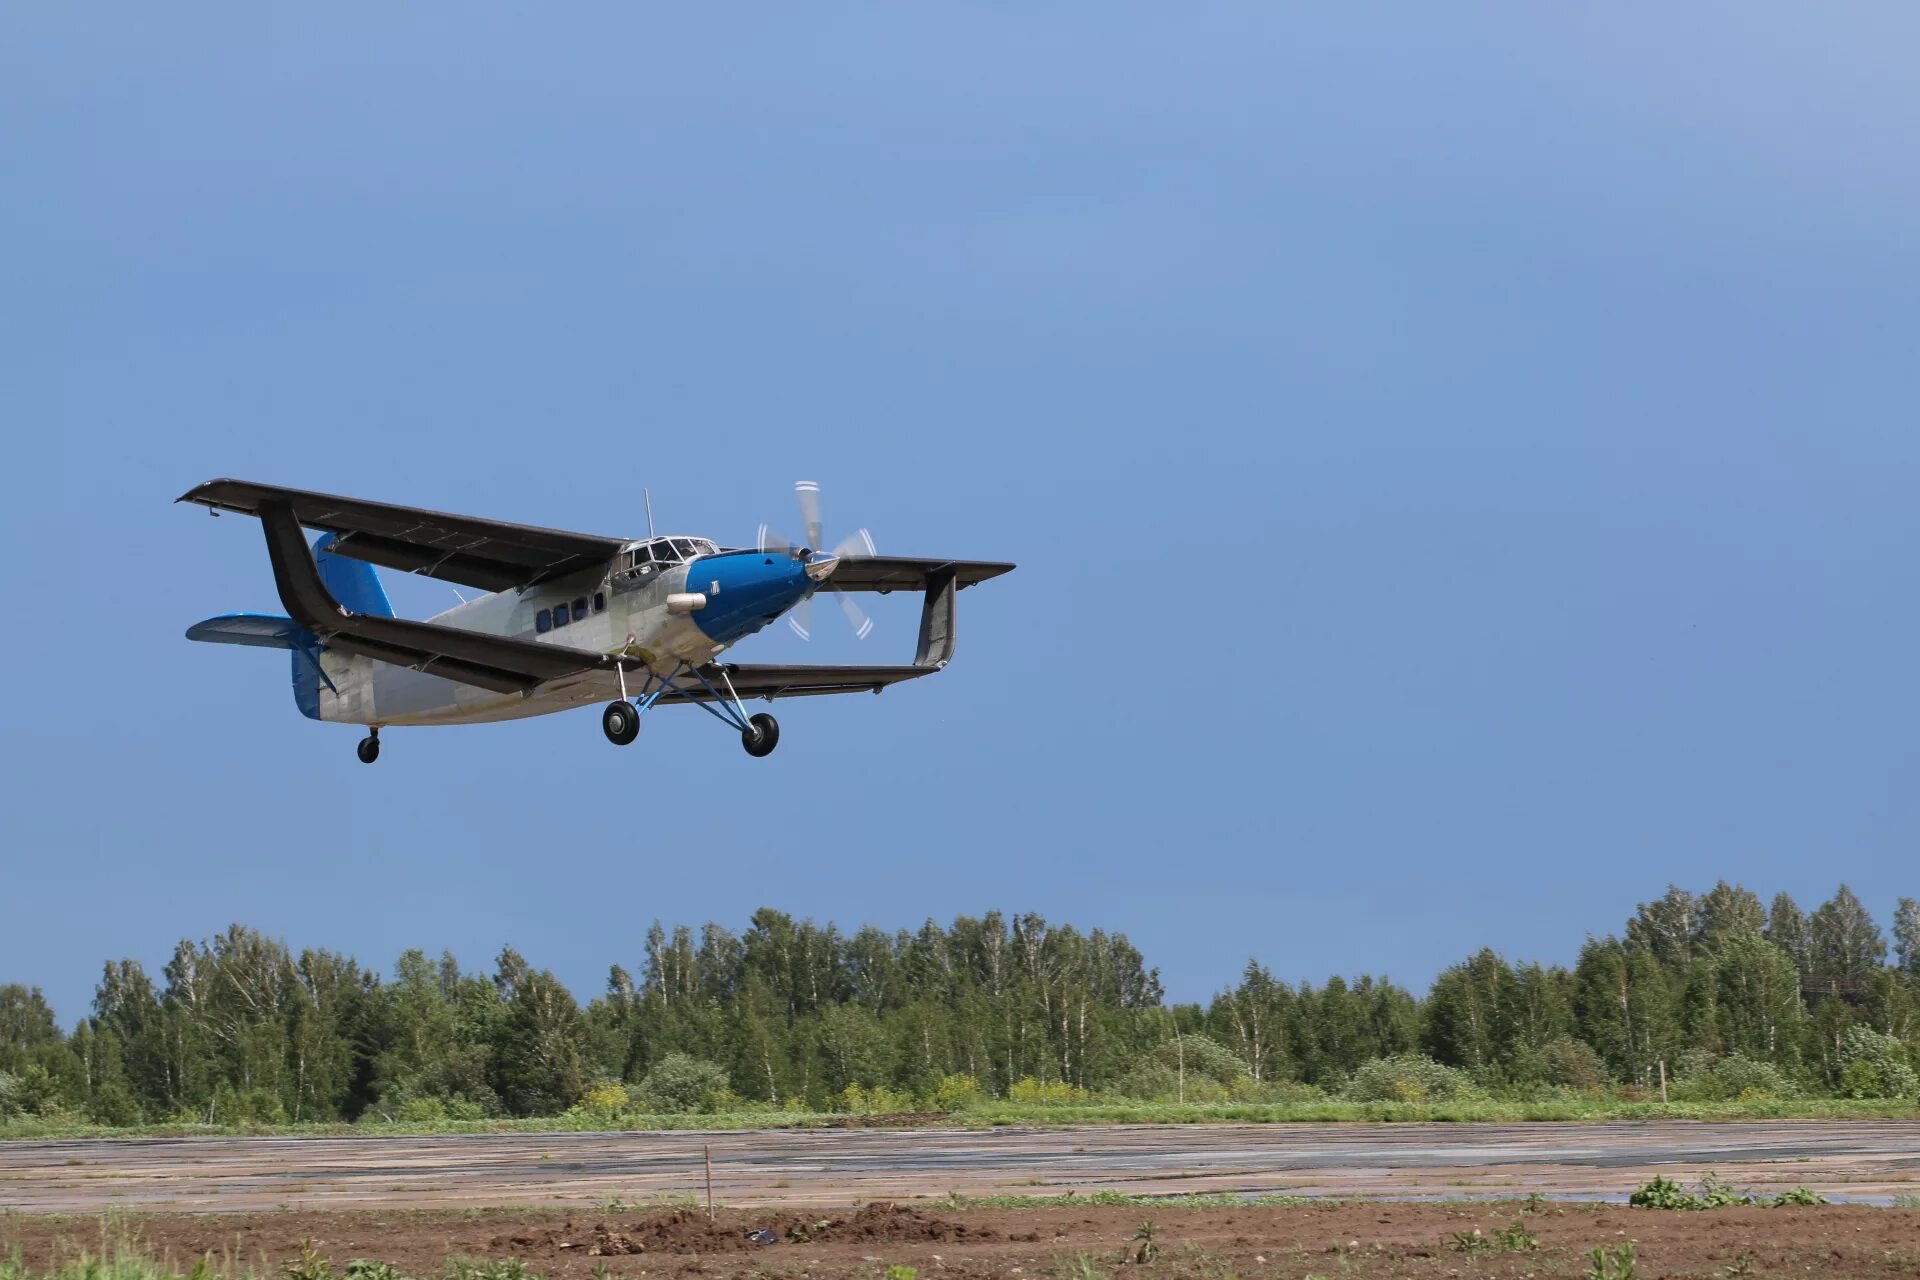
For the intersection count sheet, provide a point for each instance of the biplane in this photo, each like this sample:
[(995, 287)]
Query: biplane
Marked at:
[(569, 619)]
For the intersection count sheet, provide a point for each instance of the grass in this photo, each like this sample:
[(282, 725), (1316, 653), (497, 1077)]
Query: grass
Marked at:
[(1333, 1111), (995, 1114)]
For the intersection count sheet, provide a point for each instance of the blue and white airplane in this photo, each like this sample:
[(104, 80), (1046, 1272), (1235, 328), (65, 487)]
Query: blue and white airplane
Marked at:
[(574, 618)]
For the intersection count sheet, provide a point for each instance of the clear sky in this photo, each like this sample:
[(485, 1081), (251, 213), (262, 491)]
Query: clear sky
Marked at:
[(1461, 463)]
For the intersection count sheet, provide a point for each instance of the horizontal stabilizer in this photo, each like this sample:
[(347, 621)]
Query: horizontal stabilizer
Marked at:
[(262, 630)]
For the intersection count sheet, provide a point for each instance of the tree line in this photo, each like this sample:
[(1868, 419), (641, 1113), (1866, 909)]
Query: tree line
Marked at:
[(1718, 990)]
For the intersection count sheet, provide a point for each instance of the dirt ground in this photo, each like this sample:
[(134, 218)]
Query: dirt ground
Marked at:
[(1354, 1239)]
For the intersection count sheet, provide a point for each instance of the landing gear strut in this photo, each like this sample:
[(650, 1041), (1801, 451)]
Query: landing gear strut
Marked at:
[(759, 734), (369, 748)]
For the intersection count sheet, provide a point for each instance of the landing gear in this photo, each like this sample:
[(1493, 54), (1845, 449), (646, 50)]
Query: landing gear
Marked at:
[(621, 722), (761, 735), (369, 748)]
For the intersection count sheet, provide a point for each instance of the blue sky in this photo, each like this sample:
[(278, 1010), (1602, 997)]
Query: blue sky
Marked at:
[(1460, 465)]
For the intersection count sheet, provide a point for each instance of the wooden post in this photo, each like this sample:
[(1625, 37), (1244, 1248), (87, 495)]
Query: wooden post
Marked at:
[(707, 1150), (1663, 1080), (1180, 1055)]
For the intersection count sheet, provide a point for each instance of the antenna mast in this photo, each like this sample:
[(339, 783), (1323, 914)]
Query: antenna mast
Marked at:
[(648, 495)]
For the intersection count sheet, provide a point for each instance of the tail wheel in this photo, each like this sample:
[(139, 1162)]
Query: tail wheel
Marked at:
[(761, 736), (621, 723), (369, 749)]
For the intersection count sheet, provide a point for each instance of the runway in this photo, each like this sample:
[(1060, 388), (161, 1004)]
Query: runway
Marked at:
[(1852, 1160)]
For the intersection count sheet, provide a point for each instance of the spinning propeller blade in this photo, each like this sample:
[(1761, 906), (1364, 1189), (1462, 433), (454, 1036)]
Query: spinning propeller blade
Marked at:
[(852, 547), (810, 510)]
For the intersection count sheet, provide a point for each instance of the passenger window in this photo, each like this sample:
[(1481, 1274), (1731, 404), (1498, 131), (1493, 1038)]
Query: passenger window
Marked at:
[(599, 602), (543, 621), (560, 618), (580, 607)]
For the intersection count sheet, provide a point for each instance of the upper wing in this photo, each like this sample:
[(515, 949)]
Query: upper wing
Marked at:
[(910, 573), (490, 554)]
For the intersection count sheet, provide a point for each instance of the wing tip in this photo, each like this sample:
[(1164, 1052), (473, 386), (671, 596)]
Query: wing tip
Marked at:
[(199, 491)]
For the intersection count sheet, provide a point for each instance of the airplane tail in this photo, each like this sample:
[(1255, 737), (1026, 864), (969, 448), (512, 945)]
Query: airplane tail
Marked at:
[(355, 584), (352, 582)]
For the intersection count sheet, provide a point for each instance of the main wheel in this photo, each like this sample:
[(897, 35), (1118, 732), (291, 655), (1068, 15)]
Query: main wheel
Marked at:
[(762, 735), (369, 749), (621, 723)]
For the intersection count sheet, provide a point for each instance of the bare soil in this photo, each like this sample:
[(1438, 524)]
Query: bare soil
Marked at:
[(1354, 1239)]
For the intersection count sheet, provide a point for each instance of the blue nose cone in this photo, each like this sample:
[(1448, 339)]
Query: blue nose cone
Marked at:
[(745, 591)]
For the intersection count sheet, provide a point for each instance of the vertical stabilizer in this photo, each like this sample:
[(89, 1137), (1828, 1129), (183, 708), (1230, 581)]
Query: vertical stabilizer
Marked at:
[(356, 585), (352, 582)]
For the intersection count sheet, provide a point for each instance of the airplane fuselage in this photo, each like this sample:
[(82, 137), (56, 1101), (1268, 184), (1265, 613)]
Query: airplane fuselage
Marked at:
[(663, 614)]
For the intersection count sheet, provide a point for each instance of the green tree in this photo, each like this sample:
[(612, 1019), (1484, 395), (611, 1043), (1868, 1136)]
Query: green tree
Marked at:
[(1728, 910), (1847, 947), (1757, 999), (1666, 928), (1906, 937), (541, 1064), (1787, 930)]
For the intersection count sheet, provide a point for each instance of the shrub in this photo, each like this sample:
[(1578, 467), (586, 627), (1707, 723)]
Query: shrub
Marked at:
[(1408, 1077), (1251, 1090), (1202, 1056), (10, 1096), (679, 1083), (608, 1098), (1661, 1193), (423, 1110), (875, 1101), (252, 1106), (1050, 1093), (727, 1102), (955, 1093), (1706, 1079), (1715, 1193), (1152, 1081), (1572, 1064), (1875, 1066)]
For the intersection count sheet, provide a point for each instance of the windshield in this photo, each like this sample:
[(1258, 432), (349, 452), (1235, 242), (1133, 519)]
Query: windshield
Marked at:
[(673, 550)]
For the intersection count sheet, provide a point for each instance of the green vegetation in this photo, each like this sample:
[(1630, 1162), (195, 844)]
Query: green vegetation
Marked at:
[(1514, 1239), (1616, 1263), (1740, 1010), (1714, 1192)]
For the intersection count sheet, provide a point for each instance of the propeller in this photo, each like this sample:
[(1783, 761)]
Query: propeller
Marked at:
[(855, 545)]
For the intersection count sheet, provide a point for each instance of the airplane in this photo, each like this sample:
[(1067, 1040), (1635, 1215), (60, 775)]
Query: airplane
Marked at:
[(571, 618)]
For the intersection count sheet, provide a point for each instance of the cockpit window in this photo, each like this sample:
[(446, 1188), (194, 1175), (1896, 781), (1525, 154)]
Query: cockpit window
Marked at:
[(683, 549)]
